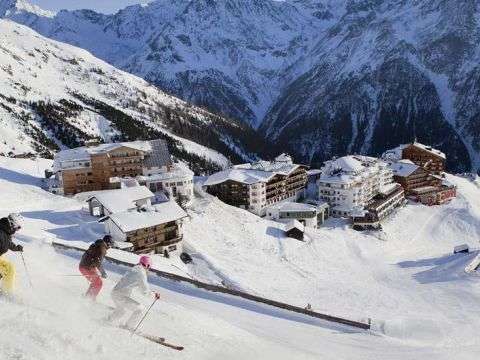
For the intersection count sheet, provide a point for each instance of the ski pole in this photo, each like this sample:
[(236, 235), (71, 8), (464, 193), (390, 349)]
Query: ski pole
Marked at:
[(144, 316), (26, 270)]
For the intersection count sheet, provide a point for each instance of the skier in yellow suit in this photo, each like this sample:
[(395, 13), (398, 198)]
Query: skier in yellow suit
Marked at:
[(8, 226)]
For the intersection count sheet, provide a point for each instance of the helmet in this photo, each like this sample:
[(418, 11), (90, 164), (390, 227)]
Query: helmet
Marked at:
[(145, 261), (107, 239), (15, 221)]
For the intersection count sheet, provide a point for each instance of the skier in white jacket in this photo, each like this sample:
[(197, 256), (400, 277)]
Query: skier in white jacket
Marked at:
[(136, 278)]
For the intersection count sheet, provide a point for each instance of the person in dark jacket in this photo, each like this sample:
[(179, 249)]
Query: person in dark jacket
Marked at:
[(92, 264), (8, 227)]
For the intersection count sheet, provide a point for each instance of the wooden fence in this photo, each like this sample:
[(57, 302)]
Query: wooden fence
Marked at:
[(224, 290)]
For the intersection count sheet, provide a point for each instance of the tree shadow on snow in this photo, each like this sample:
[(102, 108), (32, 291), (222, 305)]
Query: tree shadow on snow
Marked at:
[(18, 177), (443, 269)]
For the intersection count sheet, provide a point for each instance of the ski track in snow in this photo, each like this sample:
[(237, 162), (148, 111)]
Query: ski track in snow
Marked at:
[(421, 302)]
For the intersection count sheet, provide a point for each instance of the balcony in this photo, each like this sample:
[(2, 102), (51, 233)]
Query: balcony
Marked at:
[(152, 246)]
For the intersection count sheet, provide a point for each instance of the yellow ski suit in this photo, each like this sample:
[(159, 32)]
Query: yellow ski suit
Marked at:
[(7, 273)]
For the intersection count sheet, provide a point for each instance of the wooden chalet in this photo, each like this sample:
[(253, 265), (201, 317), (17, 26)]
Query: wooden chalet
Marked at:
[(412, 176), (424, 156), (157, 230)]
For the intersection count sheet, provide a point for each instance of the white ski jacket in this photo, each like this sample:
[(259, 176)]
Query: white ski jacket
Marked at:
[(136, 278)]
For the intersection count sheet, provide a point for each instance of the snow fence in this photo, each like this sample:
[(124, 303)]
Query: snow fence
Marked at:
[(224, 290)]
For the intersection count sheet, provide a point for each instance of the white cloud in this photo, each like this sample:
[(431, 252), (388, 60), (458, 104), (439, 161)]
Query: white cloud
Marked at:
[(104, 6)]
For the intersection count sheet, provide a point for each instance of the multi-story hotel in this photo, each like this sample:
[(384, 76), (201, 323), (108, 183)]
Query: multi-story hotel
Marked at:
[(420, 185), (426, 157), (351, 183), (105, 166), (256, 186)]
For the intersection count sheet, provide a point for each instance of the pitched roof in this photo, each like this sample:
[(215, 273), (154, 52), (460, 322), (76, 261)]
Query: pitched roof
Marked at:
[(294, 206), (348, 168), (397, 153), (121, 199), (403, 168), (294, 224), (84, 153), (160, 214), (244, 176), (428, 149)]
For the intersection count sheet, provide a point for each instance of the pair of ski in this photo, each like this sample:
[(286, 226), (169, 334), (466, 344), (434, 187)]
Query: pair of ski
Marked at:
[(155, 339)]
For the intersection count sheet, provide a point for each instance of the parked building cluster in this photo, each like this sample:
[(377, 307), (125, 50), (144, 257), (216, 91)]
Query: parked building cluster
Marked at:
[(419, 168), (361, 188), (111, 166), (259, 185), (134, 187), (365, 189)]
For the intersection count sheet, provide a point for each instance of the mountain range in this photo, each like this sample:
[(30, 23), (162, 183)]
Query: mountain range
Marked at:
[(54, 95), (319, 78)]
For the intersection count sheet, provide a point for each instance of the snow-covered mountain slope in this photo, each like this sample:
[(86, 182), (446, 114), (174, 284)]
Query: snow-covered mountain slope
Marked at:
[(419, 298), (55, 95), (227, 55), (386, 72), (320, 77)]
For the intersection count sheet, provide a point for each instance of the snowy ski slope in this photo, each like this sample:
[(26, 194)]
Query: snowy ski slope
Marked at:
[(421, 302)]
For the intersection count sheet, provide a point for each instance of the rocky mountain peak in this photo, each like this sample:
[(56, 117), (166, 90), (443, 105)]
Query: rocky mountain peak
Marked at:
[(320, 77), (9, 7)]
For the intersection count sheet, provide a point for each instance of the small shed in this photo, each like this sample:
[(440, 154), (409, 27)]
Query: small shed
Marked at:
[(294, 229), (104, 203)]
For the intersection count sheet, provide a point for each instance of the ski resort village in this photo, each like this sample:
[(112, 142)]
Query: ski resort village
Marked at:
[(239, 179), (281, 257)]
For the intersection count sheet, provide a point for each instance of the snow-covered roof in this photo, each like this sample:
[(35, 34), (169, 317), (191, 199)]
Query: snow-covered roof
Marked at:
[(84, 153), (389, 188), (314, 172), (268, 166), (121, 199), (160, 214), (424, 189), (251, 173), (289, 206), (347, 168), (294, 224), (285, 158), (397, 153), (394, 154), (403, 168), (429, 149), (244, 176), (179, 171)]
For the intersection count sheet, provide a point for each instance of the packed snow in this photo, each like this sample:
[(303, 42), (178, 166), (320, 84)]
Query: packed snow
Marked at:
[(406, 279)]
